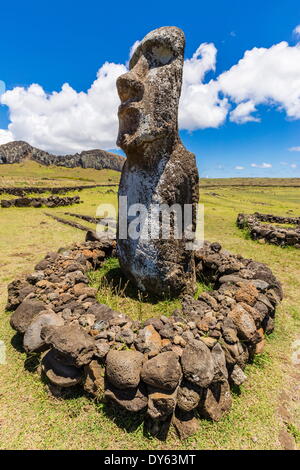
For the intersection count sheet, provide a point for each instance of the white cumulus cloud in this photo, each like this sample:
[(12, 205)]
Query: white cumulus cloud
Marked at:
[(67, 121), (242, 113), (261, 165), (239, 167), (200, 103), (5, 136), (266, 76), (294, 149)]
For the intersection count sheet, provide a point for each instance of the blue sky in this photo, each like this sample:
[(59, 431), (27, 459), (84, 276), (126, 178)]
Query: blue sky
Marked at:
[(52, 43)]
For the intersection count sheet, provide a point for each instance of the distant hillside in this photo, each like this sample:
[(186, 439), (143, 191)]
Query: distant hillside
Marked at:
[(16, 152)]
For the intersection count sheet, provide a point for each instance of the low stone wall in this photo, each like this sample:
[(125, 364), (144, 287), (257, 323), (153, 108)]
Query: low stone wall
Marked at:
[(270, 233), (54, 190), (170, 367), (52, 201)]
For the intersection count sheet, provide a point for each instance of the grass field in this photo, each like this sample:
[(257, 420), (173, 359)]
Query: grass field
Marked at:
[(30, 173), (265, 415)]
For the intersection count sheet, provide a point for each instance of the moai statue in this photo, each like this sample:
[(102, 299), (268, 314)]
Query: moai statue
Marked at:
[(159, 172)]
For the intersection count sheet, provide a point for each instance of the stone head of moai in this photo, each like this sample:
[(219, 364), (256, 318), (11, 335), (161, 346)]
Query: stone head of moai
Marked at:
[(158, 169), (149, 93)]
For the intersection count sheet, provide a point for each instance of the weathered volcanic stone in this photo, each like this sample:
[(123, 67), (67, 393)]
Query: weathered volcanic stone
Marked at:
[(217, 401), (75, 346), (185, 423), (158, 169), (218, 355), (25, 313), (188, 396), (237, 375), (58, 373), (162, 371), (132, 399), (94, 379), (148, 341), (244, 323), (197, 363), (161, 403), (32, 340), (123, 368)]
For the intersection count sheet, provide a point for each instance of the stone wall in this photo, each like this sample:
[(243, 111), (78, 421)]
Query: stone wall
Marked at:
[(170, 367), (282, 236), (52, 201), (15, 191)]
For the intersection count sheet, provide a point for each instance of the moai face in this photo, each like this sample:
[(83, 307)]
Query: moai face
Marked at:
[(150, 91)]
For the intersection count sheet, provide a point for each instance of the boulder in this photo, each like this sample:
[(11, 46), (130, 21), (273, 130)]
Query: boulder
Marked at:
[(75, 346), (197, 363), (162, 371), (247, 293), (237, 375), (94, 379), (131, 399), (216, 401), (188, 396), (32, 340), (148, 341), (219, 359), (244, 323), (123, 368), (58, 373), (161, 403), (25, 313), (185, 423)]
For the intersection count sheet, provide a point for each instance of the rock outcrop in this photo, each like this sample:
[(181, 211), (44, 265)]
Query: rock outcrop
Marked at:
[(17, 152), (158, 171)]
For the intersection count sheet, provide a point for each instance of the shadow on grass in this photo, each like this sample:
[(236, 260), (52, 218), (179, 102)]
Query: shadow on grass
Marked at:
[(131, 422), (17, 342), (112, 276)]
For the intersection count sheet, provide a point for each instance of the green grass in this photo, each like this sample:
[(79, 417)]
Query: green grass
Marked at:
[(120, 294), (32, 419), (280, 225), (30, 173)]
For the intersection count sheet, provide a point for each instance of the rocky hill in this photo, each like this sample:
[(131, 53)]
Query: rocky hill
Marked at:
[(16, 152)]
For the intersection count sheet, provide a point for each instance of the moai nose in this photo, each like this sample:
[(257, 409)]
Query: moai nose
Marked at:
[(129, 87)]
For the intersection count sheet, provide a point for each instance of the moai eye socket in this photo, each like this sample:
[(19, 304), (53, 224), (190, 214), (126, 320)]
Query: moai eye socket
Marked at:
[(162, 54)]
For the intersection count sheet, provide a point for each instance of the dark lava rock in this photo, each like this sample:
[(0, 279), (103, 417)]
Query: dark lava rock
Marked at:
[(58, 373), (162, 371), (161, 403), (94, 382), (74, 344), (185, 423), (197, 363), (123, 368), (148, 341), (25, 313), (188, 396), (216, 401), (218, 355), (32, 340), (132, 399)]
